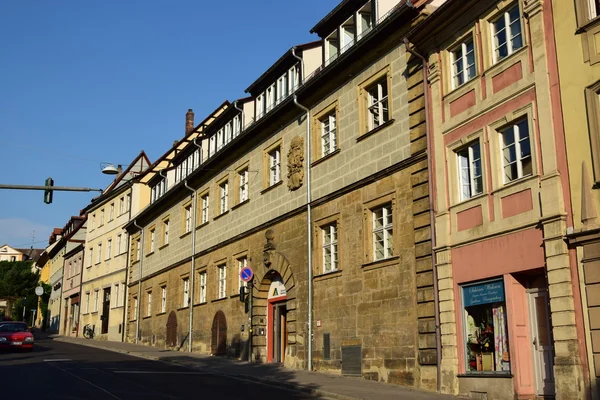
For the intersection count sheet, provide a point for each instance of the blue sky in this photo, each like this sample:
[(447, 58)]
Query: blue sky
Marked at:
[(86, 82)]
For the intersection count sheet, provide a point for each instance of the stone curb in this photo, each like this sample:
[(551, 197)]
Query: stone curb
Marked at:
[(269, 382)]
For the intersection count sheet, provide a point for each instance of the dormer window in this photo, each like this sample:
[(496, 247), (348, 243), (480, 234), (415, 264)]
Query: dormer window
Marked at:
[(282, 88), (348, 31), (332, 47), (236, 125), (364, 20)]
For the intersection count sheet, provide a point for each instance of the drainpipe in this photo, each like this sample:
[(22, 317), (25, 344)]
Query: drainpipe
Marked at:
[(191, 293), (235, 105), (436, 297), (139, 297), (309, 232)]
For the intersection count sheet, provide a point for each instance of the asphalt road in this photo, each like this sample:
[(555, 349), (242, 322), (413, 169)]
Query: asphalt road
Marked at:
[(56, 370)]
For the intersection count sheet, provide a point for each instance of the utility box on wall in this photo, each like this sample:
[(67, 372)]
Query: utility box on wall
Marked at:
[(352, 360)]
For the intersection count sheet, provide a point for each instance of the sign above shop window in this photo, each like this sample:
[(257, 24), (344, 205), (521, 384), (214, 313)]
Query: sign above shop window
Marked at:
[(483, 293)]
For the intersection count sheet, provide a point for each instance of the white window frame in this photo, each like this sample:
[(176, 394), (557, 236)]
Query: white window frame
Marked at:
[(163, 299), (138, 250), (460, 55), (152, 239), (119, 239), (505, 17), (274, 166), (111, 214), (467, 164), (149, 303), (96, 296), (186, 292), (166, 232), (329, 247), (188, 218), (243, 181), (328, 133), (377, 103), (135, 308), (222, 271), (108, 249), (519, 137), (242, 263), (99, 255), (116, 296), (91, 258), (121, 205), (87, 302), (593, 9), (223, 197), (386, 230), (202, 276), (101, 217), (205, 207)]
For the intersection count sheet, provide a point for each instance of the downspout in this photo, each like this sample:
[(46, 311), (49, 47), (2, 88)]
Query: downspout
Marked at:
[(126, 294), (191, 293), (436, 297), (308, 233), (139, 297), (241, 121)]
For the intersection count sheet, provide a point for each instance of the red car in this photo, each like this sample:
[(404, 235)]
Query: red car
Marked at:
[(15, 335)]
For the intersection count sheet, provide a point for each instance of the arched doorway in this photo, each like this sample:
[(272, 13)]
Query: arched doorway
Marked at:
[(276, 319), (218, 343), (172, 330)]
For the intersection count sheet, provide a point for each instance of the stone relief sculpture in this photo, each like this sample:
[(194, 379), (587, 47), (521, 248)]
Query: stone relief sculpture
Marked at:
[(296, 163)]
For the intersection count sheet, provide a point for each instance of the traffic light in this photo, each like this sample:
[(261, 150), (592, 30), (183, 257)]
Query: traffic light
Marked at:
[(48, 192), (242, 294)]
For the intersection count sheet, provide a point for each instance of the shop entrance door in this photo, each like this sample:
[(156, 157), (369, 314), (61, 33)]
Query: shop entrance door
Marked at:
[(105, 310), (541, 336), (278, 332)]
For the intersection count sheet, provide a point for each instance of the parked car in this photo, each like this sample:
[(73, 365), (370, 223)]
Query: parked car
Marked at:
[(15, 335)]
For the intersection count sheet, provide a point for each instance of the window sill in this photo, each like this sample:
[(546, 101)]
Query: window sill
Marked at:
[(183, 308), (324, 158), (328, 275), (386, 262), (467, 201), (163, 246), (498, 63), (265, 190), (217, 300), (161, 313), (220, 215), (375, 130), (94, 313), (149, 254), (463, 89), (516, 182), (240, 204), (202, 225), (485, 375), (185, 234), (135, 262), (200, 304), (587, 26), (147, 317)]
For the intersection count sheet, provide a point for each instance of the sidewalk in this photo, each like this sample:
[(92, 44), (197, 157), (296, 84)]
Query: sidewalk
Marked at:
[(318, 383)]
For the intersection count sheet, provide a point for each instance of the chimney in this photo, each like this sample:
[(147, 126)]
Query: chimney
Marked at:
[(189, 122)]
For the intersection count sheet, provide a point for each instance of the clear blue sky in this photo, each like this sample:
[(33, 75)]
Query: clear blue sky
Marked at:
[(85, 82)]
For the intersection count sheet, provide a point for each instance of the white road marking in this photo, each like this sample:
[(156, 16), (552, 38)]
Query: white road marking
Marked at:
[(161, 372), (57, 359), (88, 382)]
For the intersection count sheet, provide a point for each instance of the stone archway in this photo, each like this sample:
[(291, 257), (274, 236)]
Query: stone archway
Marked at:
[(172, 330), (275, 267), (218, 343)]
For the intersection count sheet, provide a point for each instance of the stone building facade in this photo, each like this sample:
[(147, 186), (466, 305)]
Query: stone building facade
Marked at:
[(348, 122), (510, 320)]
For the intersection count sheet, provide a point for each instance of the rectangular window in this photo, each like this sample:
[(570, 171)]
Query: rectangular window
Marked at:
[(163, 299), (274, 166), (469, 171), (188, 218), (463, 63), (128, 202), (186, 292), (223, 197), (138, 250), (377, 103), (328, 133), (594, 8), (149, 305), (99, 255), (152, 237), (121, 205), (205, 208), (87, 302), (330, 247), (202, 287), (91, 257), (166, 232), (485, 328), (116, 296), (383, 232), (119, 239), (332, 48), (506, 31), (101, 217), (93, 222), (222, 281), (365, 20), (135, 308), (108, 248), (242, 263), (516, 151), (243, 181), (96, 296), (111, 214)]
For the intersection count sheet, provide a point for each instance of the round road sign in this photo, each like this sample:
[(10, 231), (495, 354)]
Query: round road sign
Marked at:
[(246, 274), (39, 290)]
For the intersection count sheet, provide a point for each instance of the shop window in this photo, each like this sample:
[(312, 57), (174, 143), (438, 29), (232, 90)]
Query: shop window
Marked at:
[(485, 327)]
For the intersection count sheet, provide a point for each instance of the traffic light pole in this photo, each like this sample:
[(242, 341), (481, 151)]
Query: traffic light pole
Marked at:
[(57, 188)]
